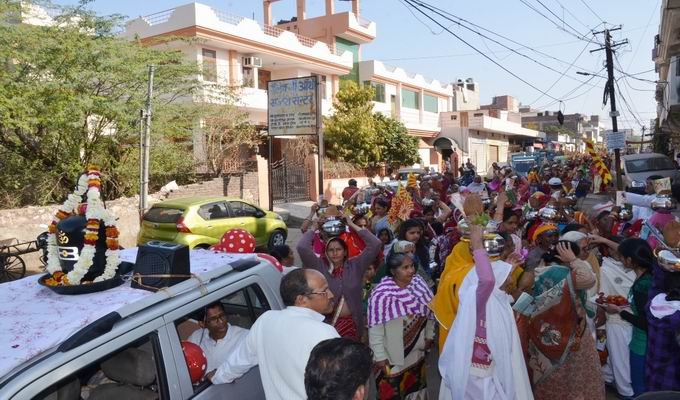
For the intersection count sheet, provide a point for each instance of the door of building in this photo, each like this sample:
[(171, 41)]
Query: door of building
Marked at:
[(493, 154)]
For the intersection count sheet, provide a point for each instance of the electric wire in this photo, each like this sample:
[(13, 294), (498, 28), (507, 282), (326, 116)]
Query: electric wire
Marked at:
[(562, 20), (412, 4), (592, 11), (563, 73), (577, 35), (441, 11)]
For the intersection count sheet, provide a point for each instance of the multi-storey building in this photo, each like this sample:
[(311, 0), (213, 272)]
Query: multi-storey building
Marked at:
[(483, 134), (666, 57)]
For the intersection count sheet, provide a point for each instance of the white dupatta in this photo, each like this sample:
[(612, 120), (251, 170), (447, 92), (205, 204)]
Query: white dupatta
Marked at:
[(502, 337)]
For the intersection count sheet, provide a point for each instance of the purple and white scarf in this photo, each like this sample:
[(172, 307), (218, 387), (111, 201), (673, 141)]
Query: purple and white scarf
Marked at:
[(388, 301)]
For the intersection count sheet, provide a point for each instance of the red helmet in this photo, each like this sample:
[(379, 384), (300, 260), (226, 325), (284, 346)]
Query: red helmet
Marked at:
[(272, 260), (236, 241), (195, 359)]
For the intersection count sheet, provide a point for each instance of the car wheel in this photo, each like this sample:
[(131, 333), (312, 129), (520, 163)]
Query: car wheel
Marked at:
[(278, 238)]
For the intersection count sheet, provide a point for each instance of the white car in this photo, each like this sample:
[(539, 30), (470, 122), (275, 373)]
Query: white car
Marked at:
[(131, 346)]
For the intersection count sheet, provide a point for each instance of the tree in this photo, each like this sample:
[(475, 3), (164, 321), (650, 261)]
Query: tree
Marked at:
[(227, 133), (396, 146), (71, 93), (350, 133), (357, 135)]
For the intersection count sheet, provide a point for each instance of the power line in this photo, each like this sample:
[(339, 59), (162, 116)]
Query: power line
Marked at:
[(442, 14), (574, 90), (592, 11), (577, 35), (441, 11), (564, 73), (409, 2), (562, 20), (574, 16)]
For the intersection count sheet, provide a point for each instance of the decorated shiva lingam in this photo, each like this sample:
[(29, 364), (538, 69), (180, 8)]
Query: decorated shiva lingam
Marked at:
[(82, 242)]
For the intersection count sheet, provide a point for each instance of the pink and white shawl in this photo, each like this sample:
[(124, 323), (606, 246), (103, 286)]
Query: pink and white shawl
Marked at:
[(388, 301)]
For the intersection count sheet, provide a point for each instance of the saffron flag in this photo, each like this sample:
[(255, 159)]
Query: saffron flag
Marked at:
[(600, 166)]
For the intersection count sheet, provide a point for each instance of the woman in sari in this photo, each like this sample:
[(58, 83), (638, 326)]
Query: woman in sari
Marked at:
[(400, 330), (483, 358), (563, 362), (345, 276)]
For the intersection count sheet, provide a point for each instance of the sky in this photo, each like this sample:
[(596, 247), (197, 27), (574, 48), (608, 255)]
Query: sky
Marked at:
[(409, 40)]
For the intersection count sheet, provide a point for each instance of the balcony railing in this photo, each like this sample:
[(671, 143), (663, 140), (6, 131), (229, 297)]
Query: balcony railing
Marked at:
[(232, 19), (304, 40), (159, 17)]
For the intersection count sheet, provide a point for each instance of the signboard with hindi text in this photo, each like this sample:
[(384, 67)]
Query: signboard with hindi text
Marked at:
[(293, 107), (615, 140)]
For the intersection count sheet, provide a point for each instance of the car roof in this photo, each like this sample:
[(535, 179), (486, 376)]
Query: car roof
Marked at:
[(642, 156), (75, 334), (184, 202)]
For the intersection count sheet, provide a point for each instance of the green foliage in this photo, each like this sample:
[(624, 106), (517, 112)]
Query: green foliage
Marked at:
[(71, 94), (357, 135), (396, 146)]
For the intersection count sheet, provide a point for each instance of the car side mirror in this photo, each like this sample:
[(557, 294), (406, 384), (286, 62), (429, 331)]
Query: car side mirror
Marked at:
[(260, 214)]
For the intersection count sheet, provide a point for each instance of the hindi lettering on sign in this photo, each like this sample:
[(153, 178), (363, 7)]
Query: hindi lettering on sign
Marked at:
[(293, 106)]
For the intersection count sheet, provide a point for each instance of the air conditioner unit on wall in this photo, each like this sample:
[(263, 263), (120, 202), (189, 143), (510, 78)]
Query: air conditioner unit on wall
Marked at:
[(252, 62)]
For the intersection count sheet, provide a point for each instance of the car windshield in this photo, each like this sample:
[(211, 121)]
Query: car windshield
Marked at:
[(163, 215), (649, 164)]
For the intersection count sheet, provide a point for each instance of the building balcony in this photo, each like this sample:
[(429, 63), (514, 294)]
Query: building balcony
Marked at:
[(345, 25), (227, 31)]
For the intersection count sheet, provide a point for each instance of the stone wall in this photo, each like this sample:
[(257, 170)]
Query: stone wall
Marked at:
[(25, 224)]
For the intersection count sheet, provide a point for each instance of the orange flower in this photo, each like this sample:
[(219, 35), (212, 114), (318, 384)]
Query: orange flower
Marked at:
[(112, 232)]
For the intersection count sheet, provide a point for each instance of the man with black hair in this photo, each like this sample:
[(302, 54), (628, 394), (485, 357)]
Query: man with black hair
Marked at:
[(281, 341), (216, 337), (338, 369)]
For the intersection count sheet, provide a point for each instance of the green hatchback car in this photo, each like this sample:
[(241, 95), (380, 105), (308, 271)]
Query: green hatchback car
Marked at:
[(201, 221)]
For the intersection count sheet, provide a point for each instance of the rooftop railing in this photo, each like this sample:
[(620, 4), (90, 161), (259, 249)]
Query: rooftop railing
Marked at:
[(232, 19)]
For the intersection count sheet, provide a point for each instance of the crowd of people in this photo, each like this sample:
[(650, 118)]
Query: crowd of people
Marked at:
[(523, 293)]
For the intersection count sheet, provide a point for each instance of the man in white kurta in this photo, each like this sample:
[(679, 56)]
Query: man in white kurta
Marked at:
[(281, 341), (217, 337)]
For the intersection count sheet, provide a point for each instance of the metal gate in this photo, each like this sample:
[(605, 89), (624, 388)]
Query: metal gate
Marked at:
[(290, 181)]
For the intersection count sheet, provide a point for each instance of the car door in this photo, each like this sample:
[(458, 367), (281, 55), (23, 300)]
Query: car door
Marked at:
[(217, 219), (247, 217), (243, 301), (123, 362)]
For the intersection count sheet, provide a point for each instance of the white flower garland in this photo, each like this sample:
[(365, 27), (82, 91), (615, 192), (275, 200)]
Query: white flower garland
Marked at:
[(95, 211)]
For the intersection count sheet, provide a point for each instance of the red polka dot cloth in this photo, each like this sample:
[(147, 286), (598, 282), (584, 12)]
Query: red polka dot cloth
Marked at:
[(272, 260), (236, 241)]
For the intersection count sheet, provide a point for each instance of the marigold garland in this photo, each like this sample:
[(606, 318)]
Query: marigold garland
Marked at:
[(89, 184)]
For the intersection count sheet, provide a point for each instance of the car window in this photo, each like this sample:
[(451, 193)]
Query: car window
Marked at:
[(649, 164), (163, 215), (241, 309), (135, 367), (216, 210), (241, 209)]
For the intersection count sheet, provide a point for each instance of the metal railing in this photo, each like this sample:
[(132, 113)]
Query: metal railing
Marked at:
[(228, 18), (275, 31), (232, 19), (159, 17)]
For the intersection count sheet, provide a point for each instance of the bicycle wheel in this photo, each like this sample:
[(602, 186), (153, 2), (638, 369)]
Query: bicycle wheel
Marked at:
[(13, 269)]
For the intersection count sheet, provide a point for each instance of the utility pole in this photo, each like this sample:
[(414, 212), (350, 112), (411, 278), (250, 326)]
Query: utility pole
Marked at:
[(642, 138), (145, 143), (608, 48)]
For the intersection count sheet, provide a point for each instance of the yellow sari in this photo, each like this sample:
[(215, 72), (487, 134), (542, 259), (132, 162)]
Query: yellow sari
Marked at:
[(445, 303)]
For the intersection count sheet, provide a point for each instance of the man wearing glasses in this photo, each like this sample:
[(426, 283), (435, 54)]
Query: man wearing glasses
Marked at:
[(217, 337), (281, 341)]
